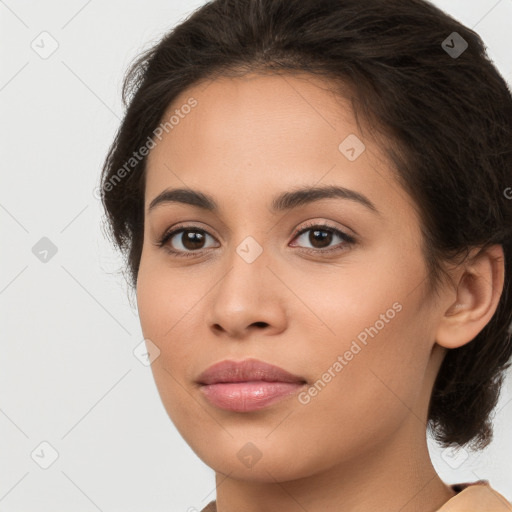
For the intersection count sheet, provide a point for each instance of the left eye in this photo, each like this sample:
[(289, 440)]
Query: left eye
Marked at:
[(322, 236)]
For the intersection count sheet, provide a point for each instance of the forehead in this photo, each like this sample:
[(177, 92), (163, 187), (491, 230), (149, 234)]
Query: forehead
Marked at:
[(248, 135), (244, 115)]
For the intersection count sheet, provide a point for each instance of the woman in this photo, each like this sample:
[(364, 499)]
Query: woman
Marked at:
[(314, 201)]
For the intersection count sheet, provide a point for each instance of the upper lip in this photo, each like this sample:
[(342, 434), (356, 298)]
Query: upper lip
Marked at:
[(245, 371)]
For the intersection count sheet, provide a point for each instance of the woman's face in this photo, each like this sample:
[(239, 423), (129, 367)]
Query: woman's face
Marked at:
[(351, 319)]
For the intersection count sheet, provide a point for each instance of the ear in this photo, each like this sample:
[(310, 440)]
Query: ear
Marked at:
[(479, 288)]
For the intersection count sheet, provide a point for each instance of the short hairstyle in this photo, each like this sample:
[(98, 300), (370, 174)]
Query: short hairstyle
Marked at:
[(444, 121)]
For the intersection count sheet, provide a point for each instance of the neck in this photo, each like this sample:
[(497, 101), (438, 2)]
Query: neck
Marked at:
[(395, 476)]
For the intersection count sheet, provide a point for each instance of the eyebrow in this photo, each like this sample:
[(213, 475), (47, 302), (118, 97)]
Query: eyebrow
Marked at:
[(282, 202)]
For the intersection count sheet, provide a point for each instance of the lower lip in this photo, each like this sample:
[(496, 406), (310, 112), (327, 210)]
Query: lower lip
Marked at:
[(248, 396)]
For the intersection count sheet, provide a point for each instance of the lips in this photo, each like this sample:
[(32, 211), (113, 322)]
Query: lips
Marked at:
[(248, 385), (248, 370)]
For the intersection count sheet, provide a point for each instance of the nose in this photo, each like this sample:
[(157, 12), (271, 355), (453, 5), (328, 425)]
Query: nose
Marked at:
[(247, 297)]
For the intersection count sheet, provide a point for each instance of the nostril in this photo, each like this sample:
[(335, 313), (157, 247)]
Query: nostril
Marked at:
[(260, 324)]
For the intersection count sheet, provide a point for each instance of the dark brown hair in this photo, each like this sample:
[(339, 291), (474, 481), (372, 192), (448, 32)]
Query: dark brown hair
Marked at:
[(447, 120)]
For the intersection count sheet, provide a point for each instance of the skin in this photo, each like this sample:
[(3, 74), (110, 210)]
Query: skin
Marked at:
[(481, 498), (360, 443)]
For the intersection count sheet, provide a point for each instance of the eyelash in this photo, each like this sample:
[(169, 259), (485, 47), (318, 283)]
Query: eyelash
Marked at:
[(348, 239)]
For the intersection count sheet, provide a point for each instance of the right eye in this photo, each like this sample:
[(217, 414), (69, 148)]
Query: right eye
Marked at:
[(191, 241)]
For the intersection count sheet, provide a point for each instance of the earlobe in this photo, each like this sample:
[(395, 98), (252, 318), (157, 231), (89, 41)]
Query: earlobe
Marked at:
[(479, 289)]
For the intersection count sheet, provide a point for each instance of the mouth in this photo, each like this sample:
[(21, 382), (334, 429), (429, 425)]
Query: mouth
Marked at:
[(247, 385)]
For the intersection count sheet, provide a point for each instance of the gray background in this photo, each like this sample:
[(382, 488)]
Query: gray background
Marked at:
[(68, 375)]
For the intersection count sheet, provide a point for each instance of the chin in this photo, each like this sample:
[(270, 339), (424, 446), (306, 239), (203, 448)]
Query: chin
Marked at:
[(255, 458)]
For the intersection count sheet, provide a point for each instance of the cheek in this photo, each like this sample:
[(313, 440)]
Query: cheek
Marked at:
[(166, 300), (163, 294), (370, 356), (164, 307)]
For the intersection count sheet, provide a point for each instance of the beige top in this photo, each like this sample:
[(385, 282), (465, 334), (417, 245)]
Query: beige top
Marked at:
[(471, 497)]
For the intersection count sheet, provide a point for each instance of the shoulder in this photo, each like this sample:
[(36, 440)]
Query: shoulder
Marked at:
[(211, 507), (476, 497)]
